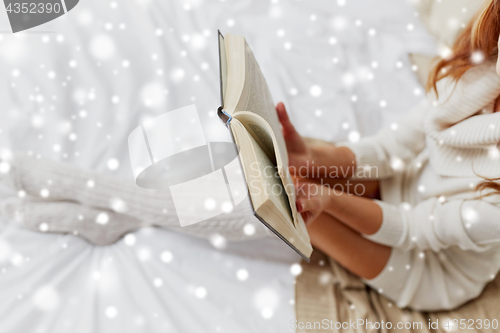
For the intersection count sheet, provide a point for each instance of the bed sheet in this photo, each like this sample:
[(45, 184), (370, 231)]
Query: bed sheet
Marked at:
[(73, 89)]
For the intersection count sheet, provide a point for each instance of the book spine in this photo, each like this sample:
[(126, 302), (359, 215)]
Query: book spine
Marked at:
[(224, 116)]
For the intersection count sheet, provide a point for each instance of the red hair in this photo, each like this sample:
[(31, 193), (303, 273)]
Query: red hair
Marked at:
[(479, 37)]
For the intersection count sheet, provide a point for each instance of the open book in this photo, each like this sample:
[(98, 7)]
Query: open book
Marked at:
[(248, 110)]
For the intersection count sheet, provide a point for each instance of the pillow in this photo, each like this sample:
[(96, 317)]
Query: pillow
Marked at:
[(444, 19)]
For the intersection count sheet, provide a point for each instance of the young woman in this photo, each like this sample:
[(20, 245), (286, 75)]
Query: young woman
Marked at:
[(432, 241)]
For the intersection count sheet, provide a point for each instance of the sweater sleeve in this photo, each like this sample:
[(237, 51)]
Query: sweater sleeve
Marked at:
[(382, 155), (436, 225)]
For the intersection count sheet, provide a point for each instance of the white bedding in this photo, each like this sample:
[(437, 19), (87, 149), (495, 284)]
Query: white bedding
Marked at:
[(73, 89)]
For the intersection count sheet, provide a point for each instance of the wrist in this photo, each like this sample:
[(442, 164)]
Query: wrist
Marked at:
[(328, 156), (344, 160), (331, 200), (319, 156)]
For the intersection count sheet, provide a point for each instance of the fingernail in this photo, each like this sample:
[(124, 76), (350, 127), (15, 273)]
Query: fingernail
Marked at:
[(306, 218), (300, 206)]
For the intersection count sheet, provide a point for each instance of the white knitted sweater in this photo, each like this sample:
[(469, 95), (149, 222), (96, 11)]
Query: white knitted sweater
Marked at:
[(445, 239)]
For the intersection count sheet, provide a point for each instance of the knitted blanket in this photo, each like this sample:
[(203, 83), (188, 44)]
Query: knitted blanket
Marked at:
[(329, 299)]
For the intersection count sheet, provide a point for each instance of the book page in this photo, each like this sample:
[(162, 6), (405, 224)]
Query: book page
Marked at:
[(269, 199), (222, 68), (272, 182), (262, 132), (262, 176), (236, 69), (259, 169), (247, 98), (260, 101)]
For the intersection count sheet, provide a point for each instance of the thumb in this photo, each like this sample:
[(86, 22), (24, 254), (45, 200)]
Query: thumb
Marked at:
[(288, 127), (309, 209), (308, 205), (294, 140)]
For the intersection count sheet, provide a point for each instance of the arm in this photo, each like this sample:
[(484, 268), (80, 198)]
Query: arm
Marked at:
[(385, 153), (360, 214), (432, 224)]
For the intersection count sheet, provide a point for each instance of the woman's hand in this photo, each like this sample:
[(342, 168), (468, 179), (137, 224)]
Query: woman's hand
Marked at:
[(359, 213), (299, 153), (313, 160), (312, 199)]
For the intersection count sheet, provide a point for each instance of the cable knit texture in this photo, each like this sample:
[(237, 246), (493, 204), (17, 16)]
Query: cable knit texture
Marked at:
[(58, 197), (454, 134)]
